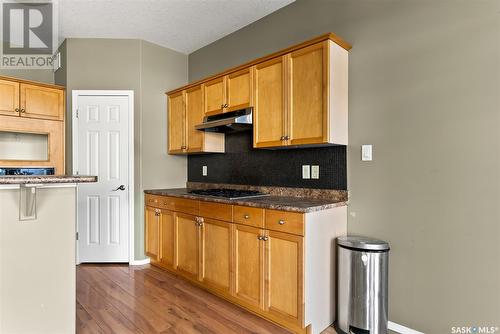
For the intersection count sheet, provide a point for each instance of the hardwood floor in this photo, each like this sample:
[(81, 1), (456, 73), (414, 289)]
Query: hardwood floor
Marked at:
[(144, 299)]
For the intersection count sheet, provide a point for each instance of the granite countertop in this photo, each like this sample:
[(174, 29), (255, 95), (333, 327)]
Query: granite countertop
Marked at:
[(295, 204), (45, 179)]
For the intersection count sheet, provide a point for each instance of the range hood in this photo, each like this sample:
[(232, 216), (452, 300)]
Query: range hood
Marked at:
[(234, 121)]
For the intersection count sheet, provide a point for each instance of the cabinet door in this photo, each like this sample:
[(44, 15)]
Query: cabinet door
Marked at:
[(216, 254), (284, 293), (239, 89), (176, 123), (167, 238), (249, 265), (9, 98), (42, 102), (214, 96), (308, 109), (194, 110), (187, 244), (152, 232), (269, 104)]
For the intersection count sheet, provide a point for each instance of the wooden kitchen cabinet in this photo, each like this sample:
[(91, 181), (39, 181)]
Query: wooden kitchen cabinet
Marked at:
[(187, 245), (229, 93), (239, 89), (185, 112), (249, 265), (307, 103), (284, 292), (176, 123), (270, 103), (9, 98), (41, 102), (152, 232), (215, 96), (216, 258), (167, 238), (277, 264)]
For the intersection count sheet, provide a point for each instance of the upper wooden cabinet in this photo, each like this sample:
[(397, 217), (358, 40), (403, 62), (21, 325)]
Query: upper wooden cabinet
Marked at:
[(299, 95), (42, 102), (19, 98), (185, 111), (269, 110), (9, 98), (307, 103), (228, 93)]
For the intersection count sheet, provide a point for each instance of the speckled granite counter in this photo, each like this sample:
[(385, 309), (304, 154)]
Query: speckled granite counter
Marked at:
[(296, 204), (45, 179)]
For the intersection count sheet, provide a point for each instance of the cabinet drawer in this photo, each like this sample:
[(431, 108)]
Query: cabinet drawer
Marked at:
[(248, 216), (183, 205), (216, 211), (153, 200), (283, 221)]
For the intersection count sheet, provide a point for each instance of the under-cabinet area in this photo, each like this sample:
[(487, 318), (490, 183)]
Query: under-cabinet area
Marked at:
[(299, 97), (271, 262)]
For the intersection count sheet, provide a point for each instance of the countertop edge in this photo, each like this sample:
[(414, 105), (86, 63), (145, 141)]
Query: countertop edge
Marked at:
[(46, 179), (249, 202)]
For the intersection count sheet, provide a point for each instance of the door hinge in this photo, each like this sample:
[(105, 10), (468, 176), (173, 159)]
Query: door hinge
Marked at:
[(76, 235), (77, 113)]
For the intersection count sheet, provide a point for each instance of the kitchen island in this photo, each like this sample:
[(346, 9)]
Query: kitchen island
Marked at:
[(37, 253)]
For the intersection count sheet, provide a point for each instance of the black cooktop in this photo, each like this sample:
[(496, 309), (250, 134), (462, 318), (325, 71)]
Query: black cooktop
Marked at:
[(227, 193)]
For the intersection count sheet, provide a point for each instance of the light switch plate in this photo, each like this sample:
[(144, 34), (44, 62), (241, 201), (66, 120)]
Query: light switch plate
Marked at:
[(204, 170), (366, 152), (315, 172), (306, 171)]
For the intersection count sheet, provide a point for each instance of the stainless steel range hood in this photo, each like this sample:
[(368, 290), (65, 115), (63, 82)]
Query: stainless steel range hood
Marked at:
[(234, 121)]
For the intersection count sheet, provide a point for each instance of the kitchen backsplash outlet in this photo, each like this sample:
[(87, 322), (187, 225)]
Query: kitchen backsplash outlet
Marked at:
[(241, 164)]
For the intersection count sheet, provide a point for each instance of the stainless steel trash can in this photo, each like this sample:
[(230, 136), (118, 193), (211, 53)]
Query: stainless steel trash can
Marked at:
[(362, 285)]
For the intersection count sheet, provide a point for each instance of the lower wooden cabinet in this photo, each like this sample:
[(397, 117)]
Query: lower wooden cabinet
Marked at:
[(187, 245), (260, 269), (167, 235), (284, 258), (216, 259), (152, 232), (249, 265)]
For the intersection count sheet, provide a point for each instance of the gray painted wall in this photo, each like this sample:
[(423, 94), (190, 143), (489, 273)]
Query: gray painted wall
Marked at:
[(46, 76), (148, 70), (423, 89)]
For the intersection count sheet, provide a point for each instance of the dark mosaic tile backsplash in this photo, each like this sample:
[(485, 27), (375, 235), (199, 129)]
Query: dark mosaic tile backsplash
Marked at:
[(241, 164)]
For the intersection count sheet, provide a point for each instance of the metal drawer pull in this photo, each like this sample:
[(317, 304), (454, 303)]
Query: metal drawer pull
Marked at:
[(281, 222), (246, 216)]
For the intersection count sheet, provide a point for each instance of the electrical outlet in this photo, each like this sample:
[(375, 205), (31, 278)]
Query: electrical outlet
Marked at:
[(204, 170), (315, 172), (306, 171)]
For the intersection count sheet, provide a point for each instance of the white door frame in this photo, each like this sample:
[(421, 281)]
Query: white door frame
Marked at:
[(74, 103)]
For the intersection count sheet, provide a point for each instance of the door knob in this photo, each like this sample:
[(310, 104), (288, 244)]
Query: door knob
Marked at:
[(122, 188)]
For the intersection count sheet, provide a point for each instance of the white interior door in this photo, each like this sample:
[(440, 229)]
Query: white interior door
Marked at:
[(103, 150)]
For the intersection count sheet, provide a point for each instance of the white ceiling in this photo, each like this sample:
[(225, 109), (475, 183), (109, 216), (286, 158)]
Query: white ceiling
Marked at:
[(182, 25)]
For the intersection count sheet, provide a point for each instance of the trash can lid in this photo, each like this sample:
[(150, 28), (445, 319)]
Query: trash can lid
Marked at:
[(363, 243)]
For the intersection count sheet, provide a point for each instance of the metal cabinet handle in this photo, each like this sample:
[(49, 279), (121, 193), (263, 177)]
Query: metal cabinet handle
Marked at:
[(265, 238), (22, 111), (122, 188), (226, 105), (183, 147), (282, 138), (286, 138), (281, 222), (259, 237), (262, 237), (17, 110), (246, 216)]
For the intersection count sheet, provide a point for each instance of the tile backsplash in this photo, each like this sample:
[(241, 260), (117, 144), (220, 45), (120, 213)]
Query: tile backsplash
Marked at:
[(241, 164)]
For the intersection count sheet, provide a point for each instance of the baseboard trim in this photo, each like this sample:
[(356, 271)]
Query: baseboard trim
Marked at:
[(401, 329), (139, 262)]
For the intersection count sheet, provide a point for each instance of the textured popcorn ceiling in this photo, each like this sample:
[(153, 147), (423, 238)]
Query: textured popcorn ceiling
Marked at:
[(182, 25)]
